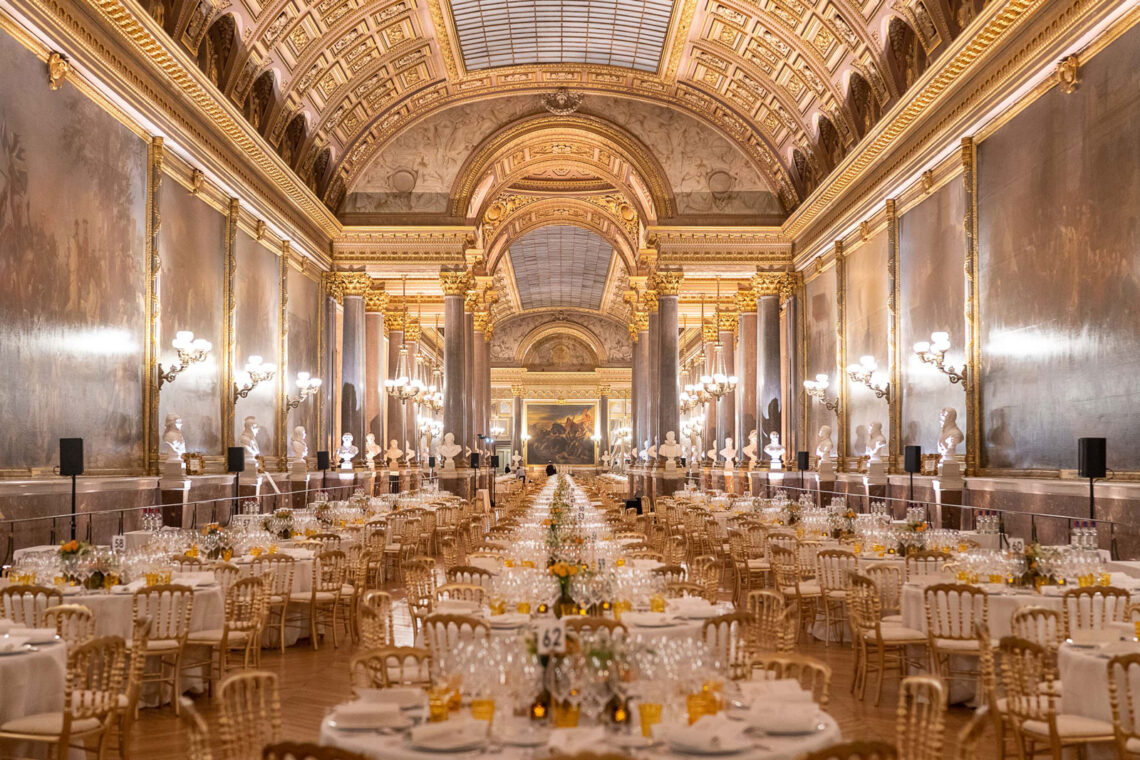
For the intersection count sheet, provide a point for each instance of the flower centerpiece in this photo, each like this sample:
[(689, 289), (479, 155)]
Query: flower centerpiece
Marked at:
[(216, 543), (1040, 566), (280, 523), (843, 524), (563, 572), (911, 537)]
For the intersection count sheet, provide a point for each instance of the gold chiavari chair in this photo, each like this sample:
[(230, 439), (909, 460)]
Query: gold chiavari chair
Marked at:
[(442, 633), (889, 580), (771, 622), (449, 548), (1040, 625), (132, 687), (462, 592), (249, 714), (812, 674), (419, 589), (277, 570), (807, 552), (925, 564), (245, 612), (226, 574), (305, 751), (73, 623), (671, 573), (858, 750), (387, 667), (197, 732), (375, 539), (970, 737), (25, 604), (323, 598), (921, 718), (1093, 607), (888, 642), (469, 574), (90, 701), (674, 553), (1123, 676), (790, 585), (185, 564), (727, 637), (706, 570), (1030, 704), (594, 624), (354, 586), (678, 590), (952, 610), (168, 608), (375, 611), (835, 568), (329, 541)]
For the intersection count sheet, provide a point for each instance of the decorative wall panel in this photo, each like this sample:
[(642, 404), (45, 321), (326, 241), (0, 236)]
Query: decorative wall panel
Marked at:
[(257, 292), (304, 306), (72, 271), (819, 328), (1059, 247), (867, 284), (932, 296), (191, 245)]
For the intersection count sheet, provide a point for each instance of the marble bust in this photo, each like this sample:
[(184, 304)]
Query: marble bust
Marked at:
[(409, 451), (671, 450), (651, 454), (775, 451), (298, 444), (729, 453), (393, 454), (750, 450), (346, 452), (950, 437), (645, 449), (448, 450), (248, 439), (823, 445), (371, 450), (516, 460), (876, 442), (172, 440)]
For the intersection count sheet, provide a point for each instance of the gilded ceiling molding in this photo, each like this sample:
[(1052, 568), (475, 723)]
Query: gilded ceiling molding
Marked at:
[(547, 329), (534, 138), (678, 37), (443, 38), (396, 246), (727, 245)]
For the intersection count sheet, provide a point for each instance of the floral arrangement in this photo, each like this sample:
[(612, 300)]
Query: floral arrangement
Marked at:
[(71, 549), (216, 542), (1040, 562), (911, 537), (843, 524), (280, 523), (323, 513)]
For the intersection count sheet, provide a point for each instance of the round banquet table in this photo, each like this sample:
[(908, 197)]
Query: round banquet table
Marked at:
[(33, 681), (394, 747), (1084, 676), (114, 612)]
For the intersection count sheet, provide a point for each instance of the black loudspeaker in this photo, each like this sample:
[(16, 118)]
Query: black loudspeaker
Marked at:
[(1091, 455), (71, 456), (633, 504), (322, 460), (495, 461), (474, 459), (912, 459), (235, 459), (803, 461)]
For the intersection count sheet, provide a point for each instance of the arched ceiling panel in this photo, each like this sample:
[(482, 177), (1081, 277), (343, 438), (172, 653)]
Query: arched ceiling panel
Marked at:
[(560, 266)]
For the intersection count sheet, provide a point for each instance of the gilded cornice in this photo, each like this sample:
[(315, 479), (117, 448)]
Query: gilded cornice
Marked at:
[(395, 246), (682, 246)]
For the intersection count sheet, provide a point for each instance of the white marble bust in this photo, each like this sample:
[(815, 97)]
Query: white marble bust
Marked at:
[(409, 451), (950, 437), (728, 452), (876, 442), (651, 454), (299, 444), (775, 451), (371, 450), (448, 450), (346, 452), (823, 445), (671, 450), (516, 460), (750, 450), (645, 449), (393, 454), (248, 439), (173, 442)]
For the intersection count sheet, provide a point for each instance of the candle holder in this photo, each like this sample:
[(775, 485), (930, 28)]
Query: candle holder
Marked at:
[(867, 372), (933, 352), (190, 351), (307, 385), (817, 389), (256, 373)]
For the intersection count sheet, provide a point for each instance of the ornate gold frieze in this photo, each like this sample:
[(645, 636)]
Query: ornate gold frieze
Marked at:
[(402, 246)]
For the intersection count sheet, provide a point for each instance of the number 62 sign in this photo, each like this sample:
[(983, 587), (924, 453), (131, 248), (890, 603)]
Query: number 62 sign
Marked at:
[(552, 637)]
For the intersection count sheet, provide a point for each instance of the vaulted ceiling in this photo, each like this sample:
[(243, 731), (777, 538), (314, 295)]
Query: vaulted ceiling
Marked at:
[(560, 266), (792, 84)]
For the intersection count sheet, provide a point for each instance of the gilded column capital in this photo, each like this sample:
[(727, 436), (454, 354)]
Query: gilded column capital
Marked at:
[(728, 321), (603, 390), (518, 390), (640, 321), (668, 282), (375, 301), (709, 331), (471, 301), (767, 283), (746, 300), (454, 282), (489, 330), (490, 297), (333, 287), (353, 283), (481, 318), (632, 332), (394, 320), (651, 301), (412, 332)]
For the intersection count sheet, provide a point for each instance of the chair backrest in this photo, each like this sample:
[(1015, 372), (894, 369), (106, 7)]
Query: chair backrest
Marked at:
[(921, 718), (186, 564), (987, 663), (1027, 678), (1093, 607), (591, 624), (73, 623), (864, 610), (306, 751), (25, 604), (375, 611), (329, 571), (168, 607), (952, 609), (771, 622), (249, 714), (197, 732), (443, 632), (924, 564), (706, 572), (469, 574), (889, 580), (94, 679), (464, 592), (1123, 683), (385, 667), (858, 750), (246, 604), (727, 636), (277, 570), (678, 590), (806, 558), (1041, 625), (812, 674), (225, 574), (330, 541), (785, 572), (835, 568), (671, 573)]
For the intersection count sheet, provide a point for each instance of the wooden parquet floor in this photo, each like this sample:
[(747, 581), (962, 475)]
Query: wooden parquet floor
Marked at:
[(314, 681)]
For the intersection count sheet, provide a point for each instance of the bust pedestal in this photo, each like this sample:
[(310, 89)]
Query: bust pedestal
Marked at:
[(299, 479), (824, 481), (948, 492), (173, 493), (874, 483), (456, 481)]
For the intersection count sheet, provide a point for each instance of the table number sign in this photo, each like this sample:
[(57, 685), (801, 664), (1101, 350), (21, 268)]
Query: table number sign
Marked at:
[(552, 637), (119, 543)]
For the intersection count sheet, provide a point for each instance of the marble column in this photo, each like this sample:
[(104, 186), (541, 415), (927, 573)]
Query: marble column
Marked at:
[(454, 284), (746, 362), (479, 370), (352, 368), (410, 440), (641, 379), (768, 404), (726, 407), (516, 419), (375, 365), (708, 336), (653, 429), (469, 373), (395, 409), (603, 420), (668, 359), (322, 439)]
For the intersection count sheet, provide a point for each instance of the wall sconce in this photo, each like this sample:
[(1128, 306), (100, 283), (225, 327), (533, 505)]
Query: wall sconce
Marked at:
[(190, 350), (867, 372), (817, 389), (307, 386), (256, 372), (497, 431), (934, 352)]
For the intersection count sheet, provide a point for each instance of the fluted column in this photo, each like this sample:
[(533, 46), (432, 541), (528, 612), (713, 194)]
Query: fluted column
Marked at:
[(668, 285), (394, 321), (454, 284), (653, 368), (747, 405), (352, 369), (376, 364)]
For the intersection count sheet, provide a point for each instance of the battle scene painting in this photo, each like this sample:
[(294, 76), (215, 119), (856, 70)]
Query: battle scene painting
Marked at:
[(560, 433)]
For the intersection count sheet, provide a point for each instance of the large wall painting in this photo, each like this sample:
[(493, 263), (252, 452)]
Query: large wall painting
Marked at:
[(819, 354), (304, 305), (1059, 279), (560, 433), (191, 246), (72, 273), (257, 289), (932, 296), (865, 269)]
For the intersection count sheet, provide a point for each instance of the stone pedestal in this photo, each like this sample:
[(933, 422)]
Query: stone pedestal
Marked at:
[(948, 492), (459, 482), (173, 493), (824, 482), (340, 484), (874, 483), (249, 485), (775, 482), (299, 480)]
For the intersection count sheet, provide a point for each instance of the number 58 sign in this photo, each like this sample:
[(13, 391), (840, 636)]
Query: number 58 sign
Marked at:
[(552, 637)]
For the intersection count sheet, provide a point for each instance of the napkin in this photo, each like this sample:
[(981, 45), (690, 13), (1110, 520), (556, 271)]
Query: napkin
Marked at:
[(34, 635), (12, 643), (645, 618), (783, 690), (457, 607), (711, 734), (367, 715), (571, 741), (401, 696), (449, 734), (783, 717), (691, 606)]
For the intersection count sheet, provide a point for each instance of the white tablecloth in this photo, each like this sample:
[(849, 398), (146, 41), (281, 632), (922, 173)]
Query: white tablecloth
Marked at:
[(33, 681)]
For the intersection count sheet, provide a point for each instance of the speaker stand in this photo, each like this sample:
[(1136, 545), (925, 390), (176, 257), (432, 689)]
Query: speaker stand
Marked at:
[(72, 507), (1092, 500)]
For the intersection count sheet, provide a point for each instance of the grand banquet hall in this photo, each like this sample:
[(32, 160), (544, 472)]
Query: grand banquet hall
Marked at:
[(569, 379)]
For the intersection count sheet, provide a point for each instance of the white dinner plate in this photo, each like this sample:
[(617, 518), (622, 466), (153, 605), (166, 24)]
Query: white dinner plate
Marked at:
[(448, 744), (731, 745), (815, 729)]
